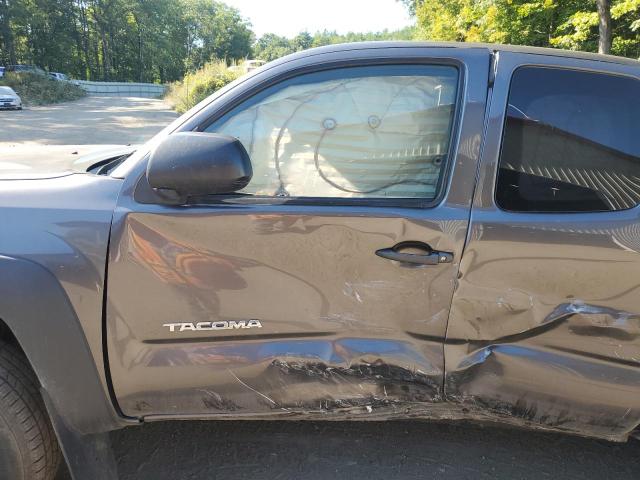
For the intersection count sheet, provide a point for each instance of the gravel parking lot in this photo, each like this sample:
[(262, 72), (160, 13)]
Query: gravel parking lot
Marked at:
[(53, 136), (92, 120)]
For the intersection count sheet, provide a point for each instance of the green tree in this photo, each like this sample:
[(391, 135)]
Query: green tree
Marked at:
[(215, 30), (140, 40), (580, 30), (271, 46), (572, 24), (302, 41)]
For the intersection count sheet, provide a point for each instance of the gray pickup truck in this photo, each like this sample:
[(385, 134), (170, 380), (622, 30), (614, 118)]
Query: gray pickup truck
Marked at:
[(363, 231)]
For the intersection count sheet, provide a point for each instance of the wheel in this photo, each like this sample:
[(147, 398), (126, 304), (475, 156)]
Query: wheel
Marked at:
[(28, 446)]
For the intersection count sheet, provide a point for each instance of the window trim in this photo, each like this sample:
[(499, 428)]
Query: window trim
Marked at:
[(503, 126), (401, 202)]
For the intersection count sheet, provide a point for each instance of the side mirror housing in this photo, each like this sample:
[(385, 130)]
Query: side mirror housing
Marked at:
[(189, 164)]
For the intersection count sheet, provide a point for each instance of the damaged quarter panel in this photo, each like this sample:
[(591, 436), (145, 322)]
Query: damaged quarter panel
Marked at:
[(283, 306), (545, 322)]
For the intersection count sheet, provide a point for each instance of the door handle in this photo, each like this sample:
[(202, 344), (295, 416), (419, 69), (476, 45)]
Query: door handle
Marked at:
[(430, 257)]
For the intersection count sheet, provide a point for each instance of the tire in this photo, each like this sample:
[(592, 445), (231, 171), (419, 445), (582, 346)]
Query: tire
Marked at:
[(28, 446)]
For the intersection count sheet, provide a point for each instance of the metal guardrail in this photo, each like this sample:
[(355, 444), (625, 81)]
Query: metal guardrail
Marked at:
[(122, 89)]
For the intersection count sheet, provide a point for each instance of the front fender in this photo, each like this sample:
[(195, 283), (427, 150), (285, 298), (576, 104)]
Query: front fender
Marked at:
[(36, 308)]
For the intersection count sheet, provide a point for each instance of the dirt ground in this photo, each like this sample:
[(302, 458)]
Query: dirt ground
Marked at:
[(363, 451), (91, 120), (53, 136)]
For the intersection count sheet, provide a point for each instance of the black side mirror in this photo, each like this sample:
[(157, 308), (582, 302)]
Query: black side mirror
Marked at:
[(189, 164)]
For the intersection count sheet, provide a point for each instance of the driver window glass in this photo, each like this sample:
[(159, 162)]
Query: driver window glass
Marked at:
[(360, 132)]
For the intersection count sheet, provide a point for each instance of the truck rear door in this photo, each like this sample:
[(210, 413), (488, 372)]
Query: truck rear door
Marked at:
[(545, 324)]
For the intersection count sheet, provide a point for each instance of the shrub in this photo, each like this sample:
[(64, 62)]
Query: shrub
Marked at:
[(198, 85), (37, 89)]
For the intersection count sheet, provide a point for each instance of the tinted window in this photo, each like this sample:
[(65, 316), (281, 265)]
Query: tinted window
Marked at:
[(361, 132), (571, 142)]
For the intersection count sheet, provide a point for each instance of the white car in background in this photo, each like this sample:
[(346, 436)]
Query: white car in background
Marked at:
[(9, 99), (61, 77)]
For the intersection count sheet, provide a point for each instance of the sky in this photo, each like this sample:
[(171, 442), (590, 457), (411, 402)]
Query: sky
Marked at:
[(290, 17)]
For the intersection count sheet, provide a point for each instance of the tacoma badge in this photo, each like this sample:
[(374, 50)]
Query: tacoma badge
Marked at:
[(224, 325)]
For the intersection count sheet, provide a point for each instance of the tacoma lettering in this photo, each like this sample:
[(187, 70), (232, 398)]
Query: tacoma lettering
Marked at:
[(206, 326)]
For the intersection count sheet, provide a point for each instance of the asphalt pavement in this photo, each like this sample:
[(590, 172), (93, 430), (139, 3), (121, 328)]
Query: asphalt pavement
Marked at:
[(230, 450)]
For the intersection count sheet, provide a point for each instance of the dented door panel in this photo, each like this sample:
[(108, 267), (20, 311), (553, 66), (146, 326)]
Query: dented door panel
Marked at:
[(545, 321), (339, 326), (342, 332)]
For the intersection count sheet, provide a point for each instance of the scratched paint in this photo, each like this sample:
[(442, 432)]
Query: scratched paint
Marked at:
[(545, 319), (372, 341)]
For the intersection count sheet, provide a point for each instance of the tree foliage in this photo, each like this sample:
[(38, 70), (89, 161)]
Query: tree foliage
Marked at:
[(271, 46), (161, 40), (198, 85), (143, 40), (571, 24)]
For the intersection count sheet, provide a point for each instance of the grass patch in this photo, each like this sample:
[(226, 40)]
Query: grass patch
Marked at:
[(37, 89), (198, 85)]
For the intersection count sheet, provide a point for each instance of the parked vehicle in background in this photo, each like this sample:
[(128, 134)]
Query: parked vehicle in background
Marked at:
[(25, 69), (61, 77), (2, 72), (9, 99), (247, 66), (250, 65), (382, 230)]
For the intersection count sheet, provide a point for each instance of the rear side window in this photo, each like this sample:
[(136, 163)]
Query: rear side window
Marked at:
[(358, 132), (571, 142)]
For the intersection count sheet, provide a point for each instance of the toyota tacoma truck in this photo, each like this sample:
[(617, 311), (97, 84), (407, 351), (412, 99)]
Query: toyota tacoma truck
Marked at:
[(367, 231)]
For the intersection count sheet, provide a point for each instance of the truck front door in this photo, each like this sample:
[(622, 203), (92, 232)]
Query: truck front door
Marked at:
[(324, 287)]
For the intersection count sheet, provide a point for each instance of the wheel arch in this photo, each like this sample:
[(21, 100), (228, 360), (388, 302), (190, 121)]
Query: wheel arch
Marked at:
[(36, 316)]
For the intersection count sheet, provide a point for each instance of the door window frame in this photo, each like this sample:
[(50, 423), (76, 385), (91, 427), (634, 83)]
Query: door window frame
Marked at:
[(474, 63), (443, 180), (506, 66)]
